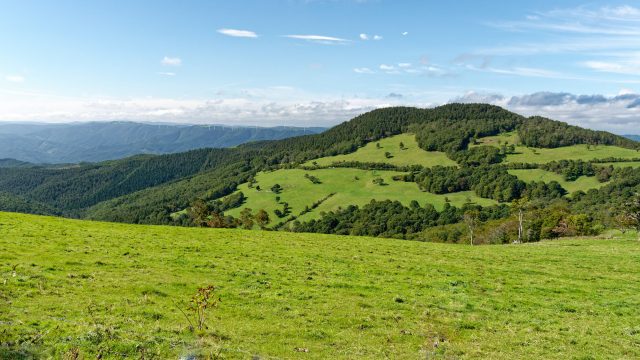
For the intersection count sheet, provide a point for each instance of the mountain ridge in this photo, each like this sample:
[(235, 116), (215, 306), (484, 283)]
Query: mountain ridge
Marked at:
[(99, 141)]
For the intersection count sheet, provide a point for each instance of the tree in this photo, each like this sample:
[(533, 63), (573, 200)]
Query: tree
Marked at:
[(471, 219), (198, 212), (276, 188), (246, 219), (402, 146), (632, 213), (519, 206), (262, 218)]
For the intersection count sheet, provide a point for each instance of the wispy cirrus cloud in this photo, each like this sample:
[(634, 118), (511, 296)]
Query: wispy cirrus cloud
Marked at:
[(238, 33), (322, 39), (604, 39)]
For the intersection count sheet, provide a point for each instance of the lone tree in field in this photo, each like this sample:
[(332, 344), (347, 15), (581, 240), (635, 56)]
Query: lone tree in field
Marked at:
[(262, 218), (519, 206), (246, 218), (471, 219)]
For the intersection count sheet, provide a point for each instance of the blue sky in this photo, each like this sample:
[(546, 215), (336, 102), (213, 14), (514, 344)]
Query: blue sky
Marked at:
[(316, 62)]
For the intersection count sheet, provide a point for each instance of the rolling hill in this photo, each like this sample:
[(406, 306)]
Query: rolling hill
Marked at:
[(100, 141), (411, 171), (81, 289)]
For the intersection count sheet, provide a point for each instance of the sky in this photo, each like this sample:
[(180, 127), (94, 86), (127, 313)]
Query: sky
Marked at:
[(315, 62)]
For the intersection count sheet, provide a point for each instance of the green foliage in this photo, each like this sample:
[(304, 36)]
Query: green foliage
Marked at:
[(545, 133)]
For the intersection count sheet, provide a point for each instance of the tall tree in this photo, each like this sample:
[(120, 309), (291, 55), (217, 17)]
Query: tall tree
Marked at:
[(471, 219), (519, 206)]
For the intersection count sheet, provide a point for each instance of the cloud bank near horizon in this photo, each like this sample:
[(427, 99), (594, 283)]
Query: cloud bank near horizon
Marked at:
[(617, 113)]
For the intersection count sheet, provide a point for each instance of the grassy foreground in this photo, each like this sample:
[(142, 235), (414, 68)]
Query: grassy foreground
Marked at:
[(69, 287)]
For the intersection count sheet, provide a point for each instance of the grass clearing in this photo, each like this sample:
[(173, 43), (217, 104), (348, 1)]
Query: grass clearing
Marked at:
[(574, 152), (351, 187), (531, 155), (69, 286), (633, 164), (411, 155), (583, 183)]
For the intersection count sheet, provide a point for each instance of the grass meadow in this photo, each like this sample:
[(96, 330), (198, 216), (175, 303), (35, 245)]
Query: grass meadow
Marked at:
[(350, 186), (80, 289), (412, 154)]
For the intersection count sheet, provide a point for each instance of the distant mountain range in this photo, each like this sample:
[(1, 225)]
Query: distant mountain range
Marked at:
[(98, 141), (633, 137)]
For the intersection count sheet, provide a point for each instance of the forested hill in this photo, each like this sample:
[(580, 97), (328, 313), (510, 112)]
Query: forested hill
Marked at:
[(149, 188), (99, 141)]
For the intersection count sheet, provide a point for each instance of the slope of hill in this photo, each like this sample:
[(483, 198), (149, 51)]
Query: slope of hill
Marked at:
[(99, 141), (85, 289), (633, 137), (457, 160)]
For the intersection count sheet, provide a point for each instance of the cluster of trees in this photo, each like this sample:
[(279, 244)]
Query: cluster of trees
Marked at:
[(391, 219), (493, 182), (522, 221), (545, 133), (203, 214), (571, 170), (313, 179)]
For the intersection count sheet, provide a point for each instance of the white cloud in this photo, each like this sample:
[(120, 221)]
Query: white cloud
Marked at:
[(386, 67), (363, 70), (167, 73), (364, 36), (171, 61), (377, 37), (15, 78), (404, 65), (618, 67), (238, 33), (405, 33), (283, 105), (318, 38)]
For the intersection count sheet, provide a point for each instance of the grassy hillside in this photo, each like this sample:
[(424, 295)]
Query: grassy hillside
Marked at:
[(350, 186), (532, 155), (583, 183), (410, 154), (70, 287)]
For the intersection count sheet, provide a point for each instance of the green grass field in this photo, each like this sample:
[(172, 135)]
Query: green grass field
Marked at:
[(71, 288), (411, 155), (540, 156), (633, 164), (351, 187), (498, 140), (574, 152), (583, 183)]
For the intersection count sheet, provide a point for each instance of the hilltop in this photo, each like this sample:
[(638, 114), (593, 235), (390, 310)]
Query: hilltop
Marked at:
[(88, 288)]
